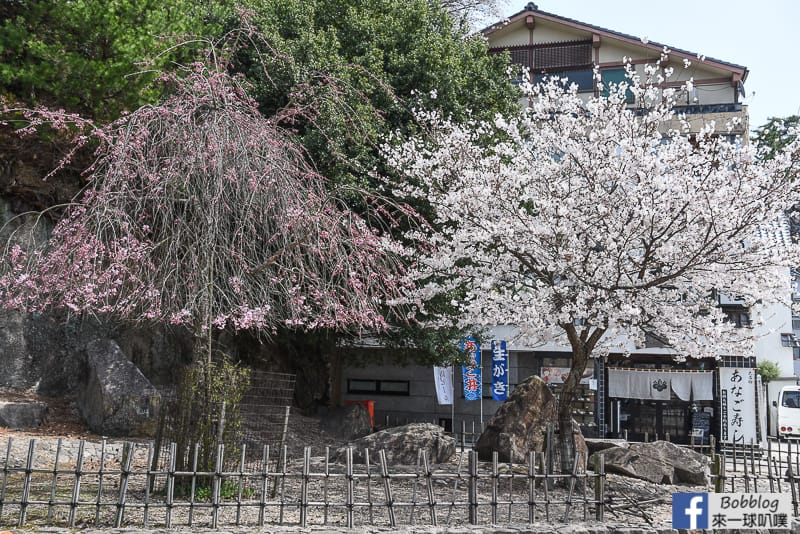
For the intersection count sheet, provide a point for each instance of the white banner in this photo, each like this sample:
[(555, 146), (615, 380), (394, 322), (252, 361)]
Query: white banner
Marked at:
[(443, 377), (738, 404)]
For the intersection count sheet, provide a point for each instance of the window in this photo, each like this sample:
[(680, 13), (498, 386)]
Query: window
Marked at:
[(572, 59), (611, 77), (584, 78), (789, 340), (791, 399), (379, 387), (520, 57), (561, 55), (740, 318)]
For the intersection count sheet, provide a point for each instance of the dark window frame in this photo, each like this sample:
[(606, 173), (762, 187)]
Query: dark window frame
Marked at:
[(740, 317), (548, 59), (378, 390)]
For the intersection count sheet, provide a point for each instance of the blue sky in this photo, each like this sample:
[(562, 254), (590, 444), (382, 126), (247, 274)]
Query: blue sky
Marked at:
[(762, 36)]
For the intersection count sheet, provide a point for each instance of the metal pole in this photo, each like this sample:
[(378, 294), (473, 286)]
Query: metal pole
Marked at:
[(453, 398)]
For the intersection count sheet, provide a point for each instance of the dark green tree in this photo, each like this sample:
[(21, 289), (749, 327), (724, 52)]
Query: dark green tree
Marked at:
[(357, 68), (383, 57), (775, 134), (97, 58)]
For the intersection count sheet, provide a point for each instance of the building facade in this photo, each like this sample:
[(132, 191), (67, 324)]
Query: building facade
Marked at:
[(551, 45), (645, 393)]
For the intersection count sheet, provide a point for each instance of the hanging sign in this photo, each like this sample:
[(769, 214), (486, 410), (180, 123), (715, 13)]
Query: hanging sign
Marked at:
[(472, 372), (738, 404), (499, 370), (443, 377)]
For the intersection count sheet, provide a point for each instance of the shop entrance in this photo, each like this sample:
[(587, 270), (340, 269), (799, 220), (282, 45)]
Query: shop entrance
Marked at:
[(655, 419)]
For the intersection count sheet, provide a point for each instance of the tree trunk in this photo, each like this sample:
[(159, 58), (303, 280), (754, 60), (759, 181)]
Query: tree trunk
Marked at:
[(569, 390), (582, 344)]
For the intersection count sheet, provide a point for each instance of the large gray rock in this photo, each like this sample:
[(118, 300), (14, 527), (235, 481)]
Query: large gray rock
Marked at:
[(45, 353), (660, 462), (403, 445), (15, 414), (600, 444), (117, 400), (38, 353), (520, 425), (347, 422)]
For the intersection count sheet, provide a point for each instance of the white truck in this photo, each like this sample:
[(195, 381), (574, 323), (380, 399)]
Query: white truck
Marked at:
[(788, 405)]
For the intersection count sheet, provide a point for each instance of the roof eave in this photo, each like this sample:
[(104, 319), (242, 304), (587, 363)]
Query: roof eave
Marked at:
[(741, 70)]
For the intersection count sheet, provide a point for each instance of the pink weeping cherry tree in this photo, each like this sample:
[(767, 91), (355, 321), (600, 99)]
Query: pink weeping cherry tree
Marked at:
[(202, 212), (596, 222)]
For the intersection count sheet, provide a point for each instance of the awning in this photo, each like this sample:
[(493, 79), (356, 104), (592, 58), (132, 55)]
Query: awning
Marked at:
[(657, 384)]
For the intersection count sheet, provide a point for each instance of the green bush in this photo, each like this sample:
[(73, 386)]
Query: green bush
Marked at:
[(768, 370)]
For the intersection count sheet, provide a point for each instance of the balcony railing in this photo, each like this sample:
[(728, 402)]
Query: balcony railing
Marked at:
[(709, 108)]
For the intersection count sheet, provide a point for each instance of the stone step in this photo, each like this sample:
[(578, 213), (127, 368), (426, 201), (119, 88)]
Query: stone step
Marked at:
[(22, 414)]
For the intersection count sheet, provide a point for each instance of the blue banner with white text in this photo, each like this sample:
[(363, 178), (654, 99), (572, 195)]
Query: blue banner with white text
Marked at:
[(499, 370), (472, 372)]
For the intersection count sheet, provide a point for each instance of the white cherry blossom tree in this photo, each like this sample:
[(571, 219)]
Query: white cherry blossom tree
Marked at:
[(595, 222)]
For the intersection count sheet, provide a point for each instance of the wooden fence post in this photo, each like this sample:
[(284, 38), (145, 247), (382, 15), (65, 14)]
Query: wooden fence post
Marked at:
[(26, 484), (304, 487), (151, 465), (5, 476), (240, 486), (790, 477), (599, 486), (531, 487), (193, 483), (473, 487), (495, 478), (128, 450), (216, 485), (53, 482), (429, 485), (99, 498), (572, 478), (387, 488), (349, 495), (76, 488), (170, 483), (264, 482)]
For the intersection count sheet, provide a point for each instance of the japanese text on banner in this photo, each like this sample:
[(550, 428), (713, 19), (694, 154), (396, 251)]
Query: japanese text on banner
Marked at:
[(473, 389), (499, 370)]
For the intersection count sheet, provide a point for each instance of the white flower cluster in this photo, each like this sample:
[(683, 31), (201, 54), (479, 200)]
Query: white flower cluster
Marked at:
[(598, 220)]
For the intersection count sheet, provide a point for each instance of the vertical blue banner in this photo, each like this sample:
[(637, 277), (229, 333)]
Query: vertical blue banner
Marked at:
[(472, 373), (499, 370)]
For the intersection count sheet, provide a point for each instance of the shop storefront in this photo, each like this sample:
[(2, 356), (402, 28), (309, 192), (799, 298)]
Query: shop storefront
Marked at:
[(655, 400)]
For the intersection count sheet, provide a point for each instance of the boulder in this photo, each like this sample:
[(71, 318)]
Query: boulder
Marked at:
[(403, 445), (347, 422), (29, 414), (660, 462), (600, 444), (520, 425), (37, 354), (117, 400)]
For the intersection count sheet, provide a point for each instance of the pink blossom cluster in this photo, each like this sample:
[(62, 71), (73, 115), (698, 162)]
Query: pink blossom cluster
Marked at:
[(202, 212)]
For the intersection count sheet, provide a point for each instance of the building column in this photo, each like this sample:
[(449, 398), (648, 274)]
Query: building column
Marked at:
[(600, 396)]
